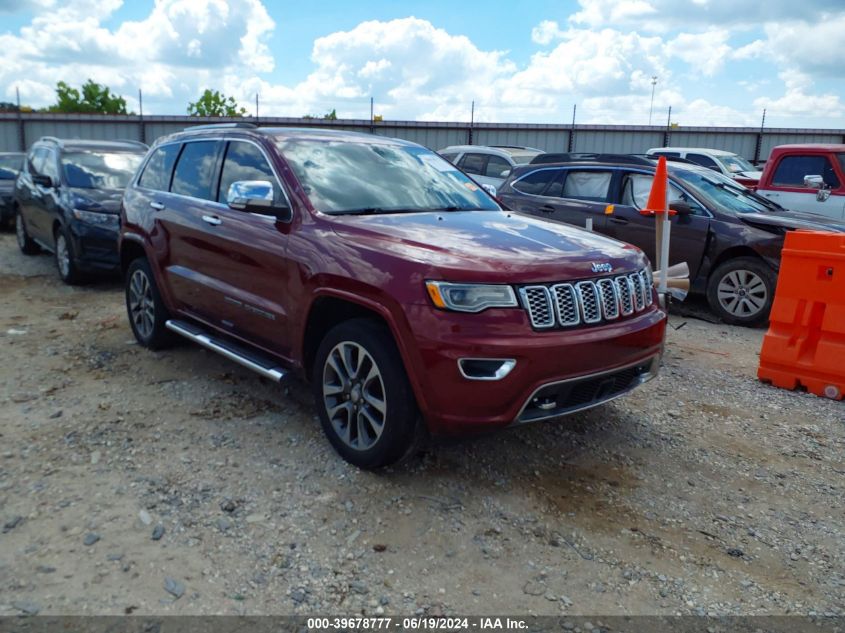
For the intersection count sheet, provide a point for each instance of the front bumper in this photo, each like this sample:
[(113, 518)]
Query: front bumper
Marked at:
[(564, 370), (95, 247)]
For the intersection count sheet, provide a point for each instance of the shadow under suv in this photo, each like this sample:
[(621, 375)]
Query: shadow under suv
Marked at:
[(67, 201), (386, 277)]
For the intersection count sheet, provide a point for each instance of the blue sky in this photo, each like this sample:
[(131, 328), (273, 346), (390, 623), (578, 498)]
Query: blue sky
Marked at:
[(718, 62)]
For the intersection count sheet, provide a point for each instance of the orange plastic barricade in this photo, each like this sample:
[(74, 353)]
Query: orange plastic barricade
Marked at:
[(805, 344)]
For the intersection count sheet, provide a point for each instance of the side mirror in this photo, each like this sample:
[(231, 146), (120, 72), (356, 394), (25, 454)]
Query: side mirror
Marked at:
[(489, 189), (256, 196), (814, 182), (681, 208), (43, 181)]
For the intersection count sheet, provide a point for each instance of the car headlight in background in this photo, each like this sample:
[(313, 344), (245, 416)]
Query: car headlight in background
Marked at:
[(470, 297), (101, 219)]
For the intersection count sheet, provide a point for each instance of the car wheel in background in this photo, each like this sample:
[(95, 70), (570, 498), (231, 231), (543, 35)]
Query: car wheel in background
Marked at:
[(363, 397), (741, 291), (147, 314), (25, 243), (66, 258)]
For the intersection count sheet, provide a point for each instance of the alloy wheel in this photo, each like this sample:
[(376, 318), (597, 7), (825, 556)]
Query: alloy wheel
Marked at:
[(742, 293), (354, 395), (62, 255), (20, 231), (141, 304)]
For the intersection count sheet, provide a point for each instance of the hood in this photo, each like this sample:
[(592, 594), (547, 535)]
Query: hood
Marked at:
[(494, 246), (99, 200), (794, 220)]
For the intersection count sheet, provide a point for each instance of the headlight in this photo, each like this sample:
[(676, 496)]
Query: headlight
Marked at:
[(470, 297), (91, 217)]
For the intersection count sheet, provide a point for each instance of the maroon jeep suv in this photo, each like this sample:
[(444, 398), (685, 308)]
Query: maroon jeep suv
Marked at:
[(386, 277)]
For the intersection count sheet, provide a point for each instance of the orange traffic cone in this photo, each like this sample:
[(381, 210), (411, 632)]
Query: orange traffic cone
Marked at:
[(657, 201)]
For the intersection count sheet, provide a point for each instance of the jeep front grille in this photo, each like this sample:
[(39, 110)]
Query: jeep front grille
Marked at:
[(587, 302)]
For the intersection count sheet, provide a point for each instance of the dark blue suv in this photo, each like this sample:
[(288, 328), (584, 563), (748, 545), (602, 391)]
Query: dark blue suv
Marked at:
[(67, 201)]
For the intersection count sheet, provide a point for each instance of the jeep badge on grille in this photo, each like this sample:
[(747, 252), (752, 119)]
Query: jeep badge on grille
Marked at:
[(602, 267)]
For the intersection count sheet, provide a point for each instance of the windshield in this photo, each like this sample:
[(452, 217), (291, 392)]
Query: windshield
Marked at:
[(10, 166), (523, 158), (99, 169), (722, 191), (735, 164), (352, 177)]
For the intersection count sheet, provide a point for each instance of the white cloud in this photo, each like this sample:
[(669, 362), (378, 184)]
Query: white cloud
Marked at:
[(545, 32), (705, 52), (799, 102), (172, 53)]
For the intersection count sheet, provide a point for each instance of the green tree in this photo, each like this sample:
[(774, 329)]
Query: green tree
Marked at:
[(214, 103), (93, 99), (329, 116)]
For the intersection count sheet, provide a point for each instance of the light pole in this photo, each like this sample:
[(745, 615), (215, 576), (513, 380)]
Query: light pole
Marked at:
[(651, 107)]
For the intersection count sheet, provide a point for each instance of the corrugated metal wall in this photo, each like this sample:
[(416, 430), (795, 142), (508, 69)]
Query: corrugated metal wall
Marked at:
[(436, 135)]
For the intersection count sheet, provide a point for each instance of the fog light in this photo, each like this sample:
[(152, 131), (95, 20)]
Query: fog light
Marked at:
[(485, 368)]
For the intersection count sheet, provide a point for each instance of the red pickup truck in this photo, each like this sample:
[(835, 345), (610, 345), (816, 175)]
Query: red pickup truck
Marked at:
[(807, 178)]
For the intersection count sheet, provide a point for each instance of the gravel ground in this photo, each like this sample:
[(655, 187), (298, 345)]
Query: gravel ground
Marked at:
[(179, 483)]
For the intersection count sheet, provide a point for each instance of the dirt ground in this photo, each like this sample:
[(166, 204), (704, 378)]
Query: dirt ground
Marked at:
[(179, 483)]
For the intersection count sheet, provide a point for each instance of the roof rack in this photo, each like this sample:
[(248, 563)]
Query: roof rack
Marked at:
[(50, 139), (130, 141), (222, 126), (533, 149), (588, 157), (669, 159)]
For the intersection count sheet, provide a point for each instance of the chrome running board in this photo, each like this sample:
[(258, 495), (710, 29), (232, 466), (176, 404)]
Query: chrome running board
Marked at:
[(251, 360)]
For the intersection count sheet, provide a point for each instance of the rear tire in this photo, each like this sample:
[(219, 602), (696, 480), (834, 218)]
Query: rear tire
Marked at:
[(66, 259), (362, 393), (25, 243), (741, 291), (146, 310)]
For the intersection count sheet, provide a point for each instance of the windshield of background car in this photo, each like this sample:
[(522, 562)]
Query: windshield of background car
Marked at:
[(348, 177), (735, 164), (523, 158), (99, 169), (10, 166), (722, 192)]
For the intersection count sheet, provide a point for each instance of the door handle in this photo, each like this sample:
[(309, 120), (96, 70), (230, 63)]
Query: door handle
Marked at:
[(547, 208), (618, 220), (158, 206), (213, 220)]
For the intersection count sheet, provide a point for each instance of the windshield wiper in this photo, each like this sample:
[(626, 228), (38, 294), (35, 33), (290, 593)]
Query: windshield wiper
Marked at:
[(373, 211)]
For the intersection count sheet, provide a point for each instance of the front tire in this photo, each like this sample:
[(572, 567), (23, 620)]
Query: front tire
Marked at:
[(66, 259), (741, 291), (25, 243), (364, 399), (147, 313)]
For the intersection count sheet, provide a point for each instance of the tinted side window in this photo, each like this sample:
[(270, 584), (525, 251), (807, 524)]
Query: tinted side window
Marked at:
[(637, 187), (157, 172), (587, 185), (473, 163), (495, 166), (535, 182), (450, 156), (791, 170), (50, 168), (244, 161), (194, 174), (36, 160), (704, 161)]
